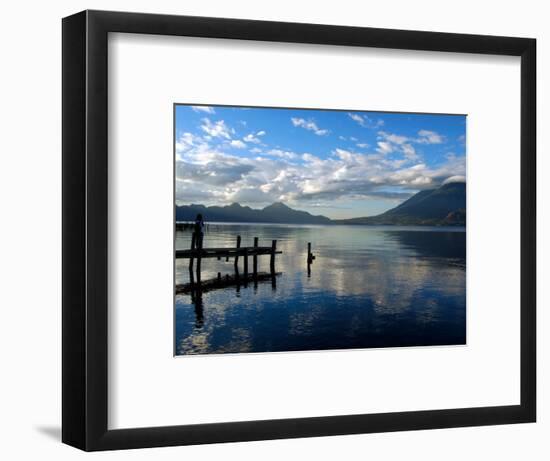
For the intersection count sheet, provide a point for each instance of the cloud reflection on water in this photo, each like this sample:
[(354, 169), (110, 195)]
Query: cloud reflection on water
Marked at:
[(369, 287)]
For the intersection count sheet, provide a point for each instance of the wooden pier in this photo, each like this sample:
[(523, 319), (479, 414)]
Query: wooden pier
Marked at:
[(237, 280), (226, 252), (198, 252)]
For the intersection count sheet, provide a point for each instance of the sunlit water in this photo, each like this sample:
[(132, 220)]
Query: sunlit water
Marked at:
[(369, 287)]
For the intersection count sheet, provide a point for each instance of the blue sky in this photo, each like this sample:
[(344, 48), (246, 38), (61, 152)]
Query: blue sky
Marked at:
[(337, 163)]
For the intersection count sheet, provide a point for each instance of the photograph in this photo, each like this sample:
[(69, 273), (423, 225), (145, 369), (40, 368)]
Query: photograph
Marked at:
[(310, 229), (262, 234)]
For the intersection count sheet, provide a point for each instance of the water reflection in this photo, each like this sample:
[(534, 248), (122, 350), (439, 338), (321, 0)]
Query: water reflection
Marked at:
[(196, 288), (368, 287), (196, 299)]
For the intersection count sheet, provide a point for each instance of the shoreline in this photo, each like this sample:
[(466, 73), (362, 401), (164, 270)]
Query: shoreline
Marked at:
[(419, 227)]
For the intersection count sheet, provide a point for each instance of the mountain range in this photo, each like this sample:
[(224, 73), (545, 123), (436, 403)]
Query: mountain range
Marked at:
[(445, 205), (275, 213)]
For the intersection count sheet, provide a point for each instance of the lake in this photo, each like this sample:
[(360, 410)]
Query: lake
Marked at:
[(369, 286)]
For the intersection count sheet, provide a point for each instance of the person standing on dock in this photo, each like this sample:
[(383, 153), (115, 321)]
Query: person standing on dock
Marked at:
[(199, 230)]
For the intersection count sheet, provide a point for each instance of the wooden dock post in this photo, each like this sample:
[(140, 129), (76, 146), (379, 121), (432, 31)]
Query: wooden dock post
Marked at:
[(193, 240), (237, 254), (255, 259), (272, 259), (245, 267), (310, 259), (198, 246)]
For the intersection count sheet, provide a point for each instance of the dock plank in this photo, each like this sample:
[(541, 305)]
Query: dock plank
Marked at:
[(224, 282), (224, 252)]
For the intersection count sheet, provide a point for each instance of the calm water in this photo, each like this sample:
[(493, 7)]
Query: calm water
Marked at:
[(368, 287)]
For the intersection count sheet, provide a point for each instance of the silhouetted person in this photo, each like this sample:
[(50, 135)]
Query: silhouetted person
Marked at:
[(199, 230)]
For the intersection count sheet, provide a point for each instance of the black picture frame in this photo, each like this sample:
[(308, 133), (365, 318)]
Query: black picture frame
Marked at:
[(85, 223)]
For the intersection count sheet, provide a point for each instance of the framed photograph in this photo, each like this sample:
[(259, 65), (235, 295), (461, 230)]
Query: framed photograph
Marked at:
[(278, 230)]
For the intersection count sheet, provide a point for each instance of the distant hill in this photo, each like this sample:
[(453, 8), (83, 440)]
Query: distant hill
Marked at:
[(275, 213), (445, 205)]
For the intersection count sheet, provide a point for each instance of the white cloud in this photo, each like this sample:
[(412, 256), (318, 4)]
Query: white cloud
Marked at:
[(365, 121), (384, 147), (185, 142), (238, 144), (357, 118), (207, 172), (430, 137), (392, 142), (207, 109), (393, 138), (456, 178), (216, 129), (417, 175), (308, 125), (282, 154), (252, 138), (311, 158), (344, 154), (409, 151), (299, 179)]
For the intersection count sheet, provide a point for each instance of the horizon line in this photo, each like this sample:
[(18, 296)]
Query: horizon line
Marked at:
[(310, 213)]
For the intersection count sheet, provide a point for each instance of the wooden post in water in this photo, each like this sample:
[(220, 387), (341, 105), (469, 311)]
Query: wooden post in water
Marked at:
[(310, 259), (255, 259), (193, 239), (237, 253), (198, 246), (245, 268), (309, 252), (272, 259)]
